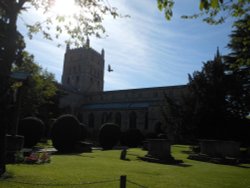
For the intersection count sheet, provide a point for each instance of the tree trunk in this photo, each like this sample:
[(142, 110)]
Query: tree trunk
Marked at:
[(8, 58)]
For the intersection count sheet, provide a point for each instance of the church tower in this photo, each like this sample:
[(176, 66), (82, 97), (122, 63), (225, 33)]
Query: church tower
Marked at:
[(83, 69)]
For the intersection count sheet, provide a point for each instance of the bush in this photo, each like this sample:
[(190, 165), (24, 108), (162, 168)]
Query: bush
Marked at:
[(151, 135), (66, 132), (32, 129), (49, 127), (109, 135), (132, 138), (84, 132)]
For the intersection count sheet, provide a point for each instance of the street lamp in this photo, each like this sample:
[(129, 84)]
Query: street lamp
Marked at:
[(15, 142)]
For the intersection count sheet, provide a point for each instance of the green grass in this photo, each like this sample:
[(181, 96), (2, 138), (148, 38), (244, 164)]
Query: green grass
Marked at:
[(106, 165)]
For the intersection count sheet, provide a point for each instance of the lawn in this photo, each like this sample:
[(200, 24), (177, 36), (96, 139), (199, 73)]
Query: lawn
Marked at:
[(101, 166)]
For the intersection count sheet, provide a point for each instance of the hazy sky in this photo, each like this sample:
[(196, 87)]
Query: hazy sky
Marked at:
[(144, 50)]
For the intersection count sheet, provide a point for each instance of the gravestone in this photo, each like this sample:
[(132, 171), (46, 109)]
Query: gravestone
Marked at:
[(159, 151), (220, 148), (14, 143), (123, 154), (218, 151), (248, 151)]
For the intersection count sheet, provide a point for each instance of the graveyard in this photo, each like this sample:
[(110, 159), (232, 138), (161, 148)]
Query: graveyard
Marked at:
[(103, 169)]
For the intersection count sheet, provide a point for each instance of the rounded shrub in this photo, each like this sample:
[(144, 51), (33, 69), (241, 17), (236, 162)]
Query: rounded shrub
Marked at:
[(32, 129), (84, 132), (151, 135), (132, 138), (109, 135), (66, 132)]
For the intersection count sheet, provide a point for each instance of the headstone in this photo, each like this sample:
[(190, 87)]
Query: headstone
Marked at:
[(159, 148), (123, 154), (248, 151), (219, 148), (14, 144), (159, 151)]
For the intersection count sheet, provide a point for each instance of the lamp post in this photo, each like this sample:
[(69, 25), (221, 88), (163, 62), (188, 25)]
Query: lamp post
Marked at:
[(21, 77), (15, 142)]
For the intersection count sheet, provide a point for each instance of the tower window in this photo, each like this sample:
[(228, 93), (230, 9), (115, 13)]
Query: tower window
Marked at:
[(68, 80)]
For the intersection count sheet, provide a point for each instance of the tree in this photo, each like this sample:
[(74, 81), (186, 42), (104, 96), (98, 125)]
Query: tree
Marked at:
[(209, 89), (212, 11), (238, 67), (173, 116), (87, 21), (40, 89)]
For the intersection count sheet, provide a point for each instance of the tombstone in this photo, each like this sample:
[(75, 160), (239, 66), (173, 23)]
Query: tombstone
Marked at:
[(123, 154), (248, 151), (13, 145), (159, 151), (219, 148)]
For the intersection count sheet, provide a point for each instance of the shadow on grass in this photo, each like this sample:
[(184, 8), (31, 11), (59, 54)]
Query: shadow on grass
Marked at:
[(242, 166), (187, 152), (7, 175), (182, 165), (173, 162)]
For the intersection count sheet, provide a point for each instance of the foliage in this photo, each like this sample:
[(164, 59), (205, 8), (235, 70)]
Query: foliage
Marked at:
[(40, 89), (32, 129), (66, 132), (131, 138), (238, 67), (109, 135), (84, 132), (212, 11), (87, 19), (173, 116), (209, 88), (69, 169)]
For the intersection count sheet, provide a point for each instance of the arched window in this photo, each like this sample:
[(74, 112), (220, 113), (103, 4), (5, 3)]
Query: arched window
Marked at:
[(132, 120), (146, 121), (118, 118), (91, 120)]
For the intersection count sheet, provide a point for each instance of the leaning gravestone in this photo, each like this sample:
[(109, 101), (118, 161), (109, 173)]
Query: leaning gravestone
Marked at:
[(159, 150)]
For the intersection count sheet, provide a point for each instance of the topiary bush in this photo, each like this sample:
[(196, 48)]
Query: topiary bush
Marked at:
[(65, 133), (132, 138), (32, 129), (84, 132), (109, 135)]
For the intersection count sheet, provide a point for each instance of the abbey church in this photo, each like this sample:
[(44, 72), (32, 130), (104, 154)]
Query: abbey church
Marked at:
[(83, 81)]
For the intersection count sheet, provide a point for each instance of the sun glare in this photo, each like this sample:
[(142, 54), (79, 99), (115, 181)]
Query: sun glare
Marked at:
[(65, 7)]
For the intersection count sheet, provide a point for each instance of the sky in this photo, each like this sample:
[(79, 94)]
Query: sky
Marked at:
[(144, 50)]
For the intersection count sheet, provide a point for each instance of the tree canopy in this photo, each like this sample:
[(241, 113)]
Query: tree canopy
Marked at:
[(211, 11), (238, 67), (40, 89)]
